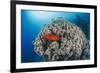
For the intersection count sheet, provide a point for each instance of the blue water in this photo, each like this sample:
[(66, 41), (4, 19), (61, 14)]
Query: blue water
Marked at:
[(32, 23)]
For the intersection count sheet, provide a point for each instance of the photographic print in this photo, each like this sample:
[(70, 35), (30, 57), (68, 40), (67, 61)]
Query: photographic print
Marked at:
[(52, 36)]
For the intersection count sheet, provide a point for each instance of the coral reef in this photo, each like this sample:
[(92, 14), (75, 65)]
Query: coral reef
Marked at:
[(61, 41)]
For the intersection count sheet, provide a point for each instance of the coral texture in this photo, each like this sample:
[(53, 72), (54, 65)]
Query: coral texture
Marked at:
[(67, 43)]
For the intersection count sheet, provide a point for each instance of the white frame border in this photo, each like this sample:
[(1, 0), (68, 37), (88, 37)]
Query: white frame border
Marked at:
[(20, 65)]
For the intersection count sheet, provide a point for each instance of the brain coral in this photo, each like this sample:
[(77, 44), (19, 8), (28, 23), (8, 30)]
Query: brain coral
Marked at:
[(71, 45)]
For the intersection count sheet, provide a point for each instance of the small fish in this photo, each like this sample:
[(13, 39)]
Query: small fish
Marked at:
[(51, 37)]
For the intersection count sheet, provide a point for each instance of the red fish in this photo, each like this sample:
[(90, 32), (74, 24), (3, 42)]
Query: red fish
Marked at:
[(51, 37)]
